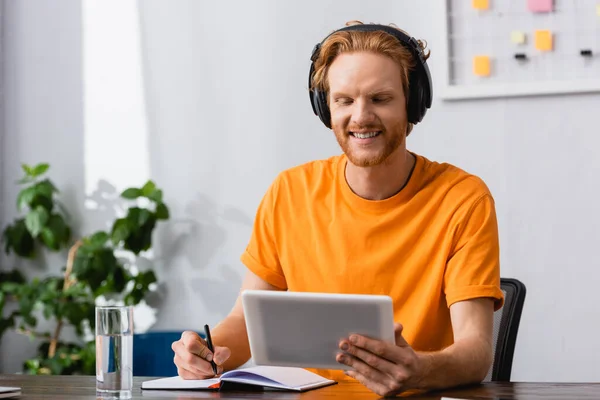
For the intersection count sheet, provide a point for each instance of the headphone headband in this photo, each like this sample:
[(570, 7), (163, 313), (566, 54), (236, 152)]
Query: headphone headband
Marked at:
[(420, 86)]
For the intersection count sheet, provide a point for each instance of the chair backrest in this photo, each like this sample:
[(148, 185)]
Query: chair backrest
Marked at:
[(506, 328), (152, 353)]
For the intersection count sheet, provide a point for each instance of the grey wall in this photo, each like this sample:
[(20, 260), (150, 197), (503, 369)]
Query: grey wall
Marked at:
[(225, 86)]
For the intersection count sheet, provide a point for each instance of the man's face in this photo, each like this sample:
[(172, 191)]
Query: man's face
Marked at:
[(368, 107)]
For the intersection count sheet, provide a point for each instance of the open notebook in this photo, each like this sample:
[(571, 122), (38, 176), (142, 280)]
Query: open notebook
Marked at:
[(286, 378)]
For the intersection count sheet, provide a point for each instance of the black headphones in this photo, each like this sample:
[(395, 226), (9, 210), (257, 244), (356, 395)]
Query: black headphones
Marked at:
[(420, 96)]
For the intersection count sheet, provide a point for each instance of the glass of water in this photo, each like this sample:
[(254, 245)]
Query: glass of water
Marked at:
[(114, 352)]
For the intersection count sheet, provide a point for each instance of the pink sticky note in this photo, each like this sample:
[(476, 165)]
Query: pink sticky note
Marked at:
[(540, 5)]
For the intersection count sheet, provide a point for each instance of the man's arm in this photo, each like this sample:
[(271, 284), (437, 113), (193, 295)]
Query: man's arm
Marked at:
[(231, 332), (469, 358), (230, 339), (391, 369)]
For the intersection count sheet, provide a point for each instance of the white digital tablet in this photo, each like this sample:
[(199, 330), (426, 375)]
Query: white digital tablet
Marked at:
[(301, 329)]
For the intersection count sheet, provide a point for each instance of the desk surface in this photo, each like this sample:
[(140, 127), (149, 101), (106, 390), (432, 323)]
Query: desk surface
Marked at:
[(83, 387)]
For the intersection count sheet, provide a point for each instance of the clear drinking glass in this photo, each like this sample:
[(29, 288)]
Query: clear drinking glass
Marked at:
[(114, 352)]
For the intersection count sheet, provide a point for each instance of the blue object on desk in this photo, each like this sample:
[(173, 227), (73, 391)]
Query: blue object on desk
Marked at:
[(152, 353)]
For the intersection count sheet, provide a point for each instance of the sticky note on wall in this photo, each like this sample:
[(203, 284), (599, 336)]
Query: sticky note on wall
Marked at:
[(540, 6), (481, 65), (543, 40), (517, 37), (481, 4), (598, 9)]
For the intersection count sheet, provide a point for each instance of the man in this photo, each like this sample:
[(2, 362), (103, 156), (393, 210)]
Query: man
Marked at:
[(377, 219)]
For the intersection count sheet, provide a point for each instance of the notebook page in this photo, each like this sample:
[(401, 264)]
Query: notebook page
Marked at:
[(177, 382), (8, 392), (290, 377), (253, 379)]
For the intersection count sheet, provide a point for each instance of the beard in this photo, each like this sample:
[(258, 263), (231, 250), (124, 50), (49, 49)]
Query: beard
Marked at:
[(388, 141)]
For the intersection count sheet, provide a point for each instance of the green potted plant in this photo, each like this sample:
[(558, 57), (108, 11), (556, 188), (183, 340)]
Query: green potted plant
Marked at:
[(92, 270)]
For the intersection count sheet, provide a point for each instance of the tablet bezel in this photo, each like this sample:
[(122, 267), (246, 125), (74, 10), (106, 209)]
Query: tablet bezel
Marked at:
[(251, 300)]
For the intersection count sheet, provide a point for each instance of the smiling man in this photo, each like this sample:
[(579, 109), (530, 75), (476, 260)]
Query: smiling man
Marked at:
[(376, 219)]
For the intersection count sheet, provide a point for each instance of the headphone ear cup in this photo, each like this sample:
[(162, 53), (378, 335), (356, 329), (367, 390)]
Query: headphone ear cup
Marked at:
[(319, 100), (416, 102)]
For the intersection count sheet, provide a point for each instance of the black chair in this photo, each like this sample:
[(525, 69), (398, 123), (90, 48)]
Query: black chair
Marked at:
[(506, 327)]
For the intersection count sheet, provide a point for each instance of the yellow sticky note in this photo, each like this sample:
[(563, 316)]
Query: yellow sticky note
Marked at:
[(543, 40), (481, 4), (517, 37), (598, 9), (481, 65)]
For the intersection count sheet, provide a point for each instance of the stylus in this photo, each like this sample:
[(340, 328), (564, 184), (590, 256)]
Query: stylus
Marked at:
[(210, 347)]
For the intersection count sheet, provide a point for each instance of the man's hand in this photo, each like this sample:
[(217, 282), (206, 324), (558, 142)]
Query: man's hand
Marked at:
[(384, 368), (389, 369), (192, 357)]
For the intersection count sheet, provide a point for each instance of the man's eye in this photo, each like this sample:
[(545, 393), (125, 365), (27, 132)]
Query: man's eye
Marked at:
[(380, 99), (344, 101)]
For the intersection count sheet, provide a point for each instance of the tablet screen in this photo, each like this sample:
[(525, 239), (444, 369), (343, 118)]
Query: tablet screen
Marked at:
[(319, 329)]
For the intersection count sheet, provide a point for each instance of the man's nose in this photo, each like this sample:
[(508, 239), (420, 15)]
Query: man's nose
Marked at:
[(362, 114)]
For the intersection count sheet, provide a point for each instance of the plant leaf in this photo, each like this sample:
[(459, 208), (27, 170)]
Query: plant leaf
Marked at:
[(40, 169), (162, 211), (148, 188), (146, 278), (120, 231), (11, 276), (131, 193), (10, 287), (119, 279), (61, 231), (25, 197), (45, 188), (143, 217), (99, 239), (18, 238), (156, 196), (81, 265), (30, 320), (49, 238), (42, 201), (36, 220), (27, 169)]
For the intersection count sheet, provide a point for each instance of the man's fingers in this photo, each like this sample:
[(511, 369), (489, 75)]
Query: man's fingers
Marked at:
[(359, 366), (190, 361), (185, 374), (376, 387), (221, 355), (377, 347), (195, 345), (400, 341), (378, 362), (197, 371)]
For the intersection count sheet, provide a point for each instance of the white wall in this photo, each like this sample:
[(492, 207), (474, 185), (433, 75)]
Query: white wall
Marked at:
[(225, 86), (43, 120)]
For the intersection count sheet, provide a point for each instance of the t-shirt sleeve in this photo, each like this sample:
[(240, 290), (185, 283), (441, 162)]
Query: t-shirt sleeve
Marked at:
[(261, 255), (473, 268)]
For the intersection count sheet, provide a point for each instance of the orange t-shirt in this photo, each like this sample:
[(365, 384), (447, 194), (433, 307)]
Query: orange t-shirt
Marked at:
[(432, 244)]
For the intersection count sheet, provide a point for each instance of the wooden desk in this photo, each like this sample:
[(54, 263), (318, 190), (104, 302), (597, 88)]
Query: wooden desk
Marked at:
[(83, 387)]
